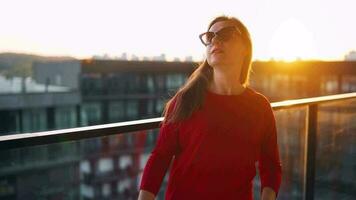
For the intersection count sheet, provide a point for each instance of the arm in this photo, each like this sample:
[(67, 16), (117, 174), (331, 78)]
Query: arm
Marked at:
[(159, 160), (269, 164)]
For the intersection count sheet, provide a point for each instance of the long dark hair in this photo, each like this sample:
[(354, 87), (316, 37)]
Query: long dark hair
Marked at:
[(191, 95)]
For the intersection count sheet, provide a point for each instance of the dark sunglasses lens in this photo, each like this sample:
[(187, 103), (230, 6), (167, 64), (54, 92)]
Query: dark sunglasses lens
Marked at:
[(226, 33), (207, 37)]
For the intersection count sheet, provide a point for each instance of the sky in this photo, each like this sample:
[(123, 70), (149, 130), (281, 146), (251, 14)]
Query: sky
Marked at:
[(280, 29)]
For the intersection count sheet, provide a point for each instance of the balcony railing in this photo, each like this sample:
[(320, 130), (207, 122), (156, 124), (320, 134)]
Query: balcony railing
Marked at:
[(10, 143)]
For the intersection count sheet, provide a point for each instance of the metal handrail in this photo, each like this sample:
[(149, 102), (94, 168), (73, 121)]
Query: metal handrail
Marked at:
[(312, 100)]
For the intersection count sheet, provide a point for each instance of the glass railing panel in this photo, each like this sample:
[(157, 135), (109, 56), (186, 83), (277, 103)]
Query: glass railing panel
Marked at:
[(335, 173), (97, 168), (291, 128)]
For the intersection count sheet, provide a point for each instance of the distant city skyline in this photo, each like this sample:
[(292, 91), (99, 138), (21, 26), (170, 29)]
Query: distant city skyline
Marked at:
[(318, 30)]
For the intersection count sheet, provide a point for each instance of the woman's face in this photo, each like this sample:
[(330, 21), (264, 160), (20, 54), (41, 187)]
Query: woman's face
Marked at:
[(225, 53)]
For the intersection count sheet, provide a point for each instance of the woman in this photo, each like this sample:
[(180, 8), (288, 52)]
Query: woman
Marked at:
[(216, 128)]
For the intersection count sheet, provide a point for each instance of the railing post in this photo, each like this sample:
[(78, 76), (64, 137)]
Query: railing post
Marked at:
[(310, 152)]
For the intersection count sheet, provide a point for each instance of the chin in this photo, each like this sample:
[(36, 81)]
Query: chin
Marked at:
[(216, 62)]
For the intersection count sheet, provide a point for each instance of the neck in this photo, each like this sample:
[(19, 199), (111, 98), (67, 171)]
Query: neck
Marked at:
[(226, 82)]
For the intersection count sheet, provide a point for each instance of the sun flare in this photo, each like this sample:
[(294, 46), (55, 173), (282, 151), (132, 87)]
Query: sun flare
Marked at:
[(292, 41)]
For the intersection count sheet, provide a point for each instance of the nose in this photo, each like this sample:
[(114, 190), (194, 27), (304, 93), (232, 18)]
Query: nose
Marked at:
[(215, 39)]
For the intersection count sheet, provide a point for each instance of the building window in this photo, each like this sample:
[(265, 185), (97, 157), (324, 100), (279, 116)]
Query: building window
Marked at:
[(348, 83), (116, 111), (133, 83), (105, 165), (91, 114), (106, 190), (86, 191), (160, 81), (150, 84), (329, 84), (85, 167), (34, 120), (124, 184), (65, 117), (159, 105), (116, 83), (125, 161), (150, 107), (174, 81), (132, 109), (92, 84)]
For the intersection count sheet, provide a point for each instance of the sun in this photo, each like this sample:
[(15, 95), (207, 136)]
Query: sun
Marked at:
[(292, 41)]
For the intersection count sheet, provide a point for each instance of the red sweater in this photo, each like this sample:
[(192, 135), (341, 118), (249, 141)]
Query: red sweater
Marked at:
[(215, 150)]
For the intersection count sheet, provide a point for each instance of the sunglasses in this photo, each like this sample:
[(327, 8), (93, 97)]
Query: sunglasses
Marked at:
[(223, 34)]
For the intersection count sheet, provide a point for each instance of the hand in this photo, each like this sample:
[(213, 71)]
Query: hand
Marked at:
[(268, 194), (145, 195)]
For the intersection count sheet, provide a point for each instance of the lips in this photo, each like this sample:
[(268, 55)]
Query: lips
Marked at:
[(216, 50)]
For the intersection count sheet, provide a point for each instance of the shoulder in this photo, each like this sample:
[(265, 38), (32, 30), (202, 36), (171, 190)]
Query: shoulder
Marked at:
[(260, 100), (264, 108)]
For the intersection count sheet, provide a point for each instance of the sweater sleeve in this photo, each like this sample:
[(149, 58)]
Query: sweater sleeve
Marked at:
[(160, 158), (269, 164)]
